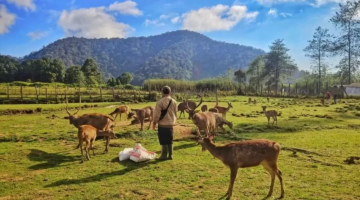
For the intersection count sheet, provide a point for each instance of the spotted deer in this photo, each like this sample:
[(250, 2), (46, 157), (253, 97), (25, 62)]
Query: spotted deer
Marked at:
[(244, 154), (120, 110), (224, 110), (270, 113), (88, 134)]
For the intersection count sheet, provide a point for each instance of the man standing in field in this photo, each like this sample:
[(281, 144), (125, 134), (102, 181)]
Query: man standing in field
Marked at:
[(165, 115)]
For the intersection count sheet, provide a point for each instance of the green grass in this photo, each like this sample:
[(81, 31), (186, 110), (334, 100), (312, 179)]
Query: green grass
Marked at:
[(38, 159)]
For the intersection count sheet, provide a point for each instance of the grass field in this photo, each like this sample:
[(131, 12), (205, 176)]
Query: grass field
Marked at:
[(38, 159)]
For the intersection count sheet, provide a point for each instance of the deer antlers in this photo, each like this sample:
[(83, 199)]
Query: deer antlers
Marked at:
[(187, 104), (67, 108)]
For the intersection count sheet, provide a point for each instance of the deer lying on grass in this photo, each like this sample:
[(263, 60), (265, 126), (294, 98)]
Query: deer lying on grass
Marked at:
[(270, 113), (120, 110), (224, 110), (141, 114), (88, 134), (203, 121), (214, 110), (244, 154), (220, 122), (204, 108), (182, 106), (97, 120)]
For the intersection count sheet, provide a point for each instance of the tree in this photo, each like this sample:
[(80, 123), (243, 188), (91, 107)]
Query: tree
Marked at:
[(111, 82), (348, 43), (278, 64), (91, 72), (8, 69), (240, 76), (255, 71), (74, 75), (125, 78), (318, 49)]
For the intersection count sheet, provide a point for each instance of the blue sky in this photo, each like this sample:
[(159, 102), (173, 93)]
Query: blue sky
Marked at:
[(28, 25)]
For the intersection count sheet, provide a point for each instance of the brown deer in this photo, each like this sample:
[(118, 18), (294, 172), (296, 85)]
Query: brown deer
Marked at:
[(270, 113), (120, 110), (322, 101), (141, 114), (182, 106), (204, 108), (254, 101), (245, 154), (268, 99), (220, 122), (224, 110), (249, 101), (203, 121), (88, 134), (97, 120), (214, 110)]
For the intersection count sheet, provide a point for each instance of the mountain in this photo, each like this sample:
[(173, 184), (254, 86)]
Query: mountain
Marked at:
[(178, 54)]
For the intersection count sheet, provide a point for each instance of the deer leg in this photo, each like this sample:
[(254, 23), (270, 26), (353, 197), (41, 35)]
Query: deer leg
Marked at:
[(268, 121), (141, 124), (91, 146), (82, 151), (233, 173), (198, 131), (222, 128), (107, 143), (120, 117), (87, 149), (276, 120), (272, 174), (278, 174), (150, 120)]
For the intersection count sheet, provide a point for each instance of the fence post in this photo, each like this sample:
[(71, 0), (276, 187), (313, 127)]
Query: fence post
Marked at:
[(113, 93), (306, 88), (46, 94), (289, 90), (66, 95), (56, 94), (21, 92), (8, 91), (101, 94), (37, 93)]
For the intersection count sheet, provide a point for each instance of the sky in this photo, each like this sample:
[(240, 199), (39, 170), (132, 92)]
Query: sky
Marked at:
[(28, 25)]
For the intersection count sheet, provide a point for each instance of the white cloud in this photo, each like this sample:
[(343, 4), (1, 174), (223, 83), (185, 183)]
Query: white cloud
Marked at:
[(175, 20), (315, 3), (164, 16), (154, 22), (6, 20), (272, 12), (219, 17), (38, 35), (286, 14), (126, 8), (92, 23), (26, 4)]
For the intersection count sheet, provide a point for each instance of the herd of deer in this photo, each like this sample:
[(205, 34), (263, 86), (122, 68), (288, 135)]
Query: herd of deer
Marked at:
[(234, 155)]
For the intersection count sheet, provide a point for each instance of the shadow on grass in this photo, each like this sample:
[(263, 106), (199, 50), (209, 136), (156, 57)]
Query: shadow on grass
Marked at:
[(130, 166), (51, 159)]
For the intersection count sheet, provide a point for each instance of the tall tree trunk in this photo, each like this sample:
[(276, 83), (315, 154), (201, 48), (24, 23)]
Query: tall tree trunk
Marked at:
[(349, 54), (319, 82)]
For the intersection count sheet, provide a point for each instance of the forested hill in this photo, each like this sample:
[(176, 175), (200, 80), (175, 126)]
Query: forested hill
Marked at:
[(177, 54)]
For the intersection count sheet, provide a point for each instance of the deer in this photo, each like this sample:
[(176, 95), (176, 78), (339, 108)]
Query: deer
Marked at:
[(322, 101), (203, 121), (254, 101), (182, 106), (204, 108), (141, 114), (97, 120), (88, 134), (244, 154), (249, 101), (198, 96), (214, 110), (119, 111), (224, 110), (270, 113), (220, 122), (268, 99)]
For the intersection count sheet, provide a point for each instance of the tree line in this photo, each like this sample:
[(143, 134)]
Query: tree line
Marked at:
[(53, 70)]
